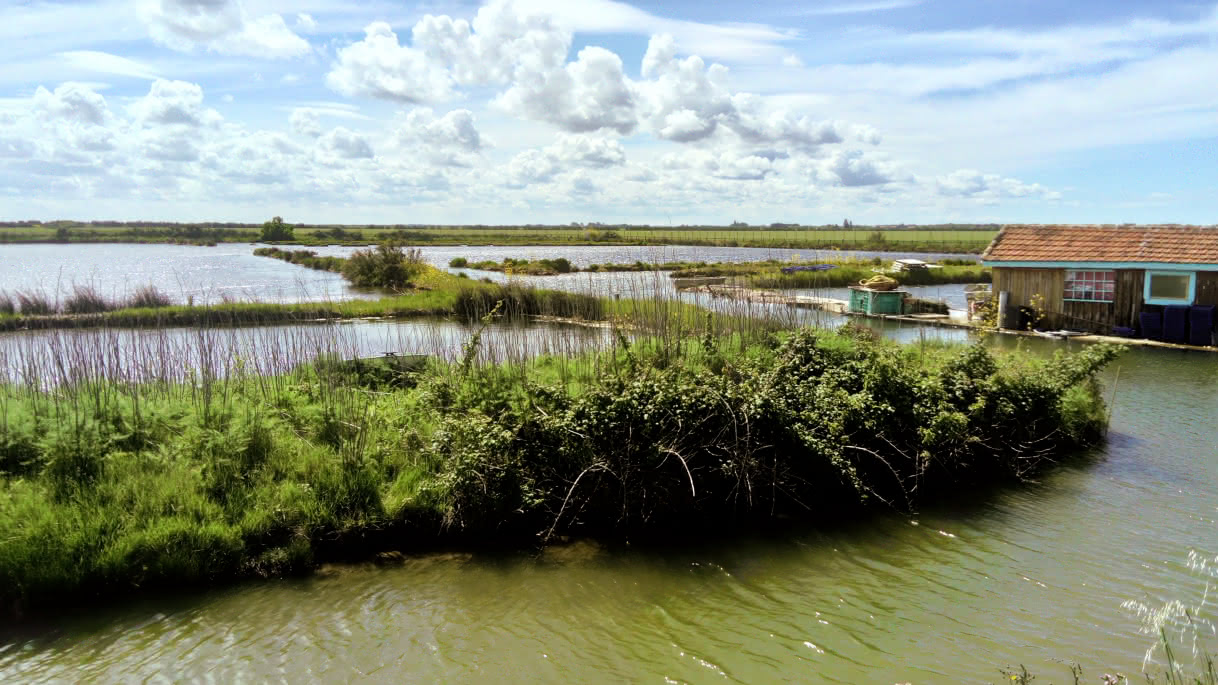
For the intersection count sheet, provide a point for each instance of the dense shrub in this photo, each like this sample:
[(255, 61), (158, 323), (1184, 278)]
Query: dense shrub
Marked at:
[(385, 266), (276, 231)]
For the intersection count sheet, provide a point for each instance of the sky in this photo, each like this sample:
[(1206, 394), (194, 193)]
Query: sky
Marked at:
[(559, 111)]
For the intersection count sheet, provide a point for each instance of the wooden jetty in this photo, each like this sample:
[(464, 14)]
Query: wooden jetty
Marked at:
[(737, 292)]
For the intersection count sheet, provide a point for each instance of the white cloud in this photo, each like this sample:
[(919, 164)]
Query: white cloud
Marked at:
[(346, 144), (378, 66), (221, 26), (305, 23), (589, 94), (851, 168), (503, 43), (305, 122), (737, 41), (450, 140), (574, 135), (531, 166), (16, 147), (683, 99), (974, 59), (499, 46), (72, 102), (174, 103), (970, 183), (455, 129), (860, 7), (106, 63), (589, 151)]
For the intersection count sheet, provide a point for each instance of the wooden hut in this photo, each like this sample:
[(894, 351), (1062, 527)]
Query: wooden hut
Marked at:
[(1104, 278)]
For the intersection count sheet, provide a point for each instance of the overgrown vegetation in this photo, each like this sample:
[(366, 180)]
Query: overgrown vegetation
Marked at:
[(82, 300), (242, 467), (277, 231), (534, 267), (385, 266), (846, 272), (562, 265), (305, 258)]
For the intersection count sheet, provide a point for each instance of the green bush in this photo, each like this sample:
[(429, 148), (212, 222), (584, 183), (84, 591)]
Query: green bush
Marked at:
[(276, 231), (385, 266)]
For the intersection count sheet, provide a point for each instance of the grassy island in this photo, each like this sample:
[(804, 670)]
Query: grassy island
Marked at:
[(562, 265), (110, 487), (846, 272)]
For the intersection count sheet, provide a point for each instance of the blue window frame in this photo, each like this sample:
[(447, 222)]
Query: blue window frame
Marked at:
[(1170, 287)]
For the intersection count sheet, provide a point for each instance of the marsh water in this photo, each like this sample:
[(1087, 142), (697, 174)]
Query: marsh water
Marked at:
[(1033, 574), (200, 275)]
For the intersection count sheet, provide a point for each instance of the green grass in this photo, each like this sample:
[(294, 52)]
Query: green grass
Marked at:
[(964, 239)]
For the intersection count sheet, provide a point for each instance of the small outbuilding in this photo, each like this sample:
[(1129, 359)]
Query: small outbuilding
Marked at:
[(1109, 279)]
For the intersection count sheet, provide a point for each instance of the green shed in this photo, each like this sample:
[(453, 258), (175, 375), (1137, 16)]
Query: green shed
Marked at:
[(868, 301)]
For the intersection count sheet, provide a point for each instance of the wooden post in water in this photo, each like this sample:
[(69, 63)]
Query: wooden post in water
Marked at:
[(1112, 399)]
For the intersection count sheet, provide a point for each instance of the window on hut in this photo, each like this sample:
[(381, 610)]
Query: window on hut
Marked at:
[(1168, 287), (1090, 286)]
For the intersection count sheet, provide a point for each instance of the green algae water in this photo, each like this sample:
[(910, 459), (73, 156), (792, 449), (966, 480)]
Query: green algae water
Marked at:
[(1032, 575)]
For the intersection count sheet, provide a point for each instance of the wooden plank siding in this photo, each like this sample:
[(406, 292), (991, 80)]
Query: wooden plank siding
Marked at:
[(1023, 284), (1128, 300), (1207, 288)]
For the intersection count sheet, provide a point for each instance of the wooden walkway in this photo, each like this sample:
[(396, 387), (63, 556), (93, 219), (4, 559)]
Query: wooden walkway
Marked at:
[(736, 292)]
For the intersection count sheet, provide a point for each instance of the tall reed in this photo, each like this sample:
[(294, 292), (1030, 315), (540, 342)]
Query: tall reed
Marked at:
[(35, 303), (84, 299)]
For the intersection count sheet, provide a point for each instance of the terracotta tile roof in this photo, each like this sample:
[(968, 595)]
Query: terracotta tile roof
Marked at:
[(1051, 243)]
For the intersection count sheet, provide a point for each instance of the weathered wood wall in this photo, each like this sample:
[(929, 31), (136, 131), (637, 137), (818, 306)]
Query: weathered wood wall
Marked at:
[(1023, 284), (1207, 287)]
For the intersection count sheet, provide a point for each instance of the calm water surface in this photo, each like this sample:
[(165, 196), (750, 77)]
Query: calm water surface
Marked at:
[(231, 271), (1031, 575)]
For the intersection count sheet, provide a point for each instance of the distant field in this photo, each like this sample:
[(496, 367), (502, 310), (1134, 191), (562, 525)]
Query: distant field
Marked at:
[(924, 239)]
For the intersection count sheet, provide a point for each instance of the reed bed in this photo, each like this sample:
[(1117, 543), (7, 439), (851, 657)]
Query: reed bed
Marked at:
[(80, 300)]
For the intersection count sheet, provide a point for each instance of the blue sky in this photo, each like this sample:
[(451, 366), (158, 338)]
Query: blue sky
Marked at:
[(549, 111)]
